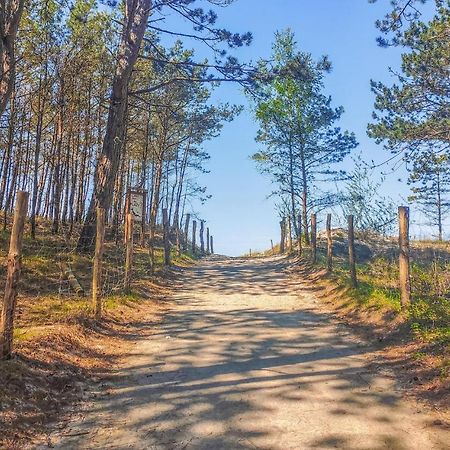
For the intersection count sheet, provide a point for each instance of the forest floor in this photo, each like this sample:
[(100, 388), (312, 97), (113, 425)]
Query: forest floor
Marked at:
[(248, 354)]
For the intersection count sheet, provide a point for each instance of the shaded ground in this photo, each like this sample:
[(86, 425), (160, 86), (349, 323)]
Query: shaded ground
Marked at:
[(246, 359), (57, 365)]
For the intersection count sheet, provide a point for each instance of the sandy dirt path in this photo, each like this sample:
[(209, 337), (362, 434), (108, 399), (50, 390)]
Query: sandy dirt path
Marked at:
[(246, 360)]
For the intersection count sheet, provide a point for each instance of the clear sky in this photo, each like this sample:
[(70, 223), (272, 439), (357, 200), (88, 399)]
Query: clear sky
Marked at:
[(239, 215)]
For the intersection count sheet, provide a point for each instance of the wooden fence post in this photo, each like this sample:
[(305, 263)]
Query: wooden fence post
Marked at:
[(97, 269), (404, 268), (300, 250), (202, 237), (207, 241), (351, 251), (186, 232), (212, 245), (166, 235), (12, 276), (194, 232), (271, 245), (329, 245), (313, 238), (129, 251), (282, 236)]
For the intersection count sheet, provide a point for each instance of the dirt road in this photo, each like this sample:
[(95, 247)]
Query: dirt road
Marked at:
[(246, 360)]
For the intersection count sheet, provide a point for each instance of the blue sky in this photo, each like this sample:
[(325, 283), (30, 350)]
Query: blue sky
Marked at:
[(239, 215)]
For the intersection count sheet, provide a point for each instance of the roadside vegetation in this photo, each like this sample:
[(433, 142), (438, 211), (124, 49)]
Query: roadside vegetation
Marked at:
[(61, 351), (420, 332)]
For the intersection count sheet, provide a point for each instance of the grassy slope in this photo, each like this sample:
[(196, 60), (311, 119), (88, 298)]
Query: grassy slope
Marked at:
[(58, 344), (420, 335)]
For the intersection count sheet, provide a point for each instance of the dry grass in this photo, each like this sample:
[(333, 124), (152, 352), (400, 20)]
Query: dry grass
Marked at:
[(59, 349), (417, 340)]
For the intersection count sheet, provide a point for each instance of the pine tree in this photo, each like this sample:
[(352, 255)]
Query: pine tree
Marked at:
[(430, 181), (415, 113), (298, 128)]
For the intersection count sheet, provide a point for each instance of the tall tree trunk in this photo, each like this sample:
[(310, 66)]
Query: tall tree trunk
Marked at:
[(135, 24), (292, 189), (11, 12), (8, 152), (57, 174), (304, 197), (439, 206), (37, 152)]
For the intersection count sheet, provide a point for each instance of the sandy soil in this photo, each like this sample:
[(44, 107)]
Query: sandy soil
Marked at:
[(248, 359)]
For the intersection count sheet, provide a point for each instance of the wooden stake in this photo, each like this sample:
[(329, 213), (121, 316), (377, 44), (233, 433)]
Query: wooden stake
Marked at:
[(329, 245), (404, 267), (351, 251), (271, 245), (129, 252), (202, 237), (194, 232), (282, 237), (212, 245), (14, 266), (186, 232), (97, 269), (166, 237), (207, 242), (313, 238)]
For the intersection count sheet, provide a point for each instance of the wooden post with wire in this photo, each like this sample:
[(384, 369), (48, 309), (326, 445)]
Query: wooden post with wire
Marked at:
[(313, 238), (166, 237), (129, 251), (329, 245), (351, 251), (13, 271), (404, 267), (97, 266)]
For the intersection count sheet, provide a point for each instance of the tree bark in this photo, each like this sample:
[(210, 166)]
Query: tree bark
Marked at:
[(329, 245), (11, 13), (313, 238), (135, 24), (97, 267), (12, 277)]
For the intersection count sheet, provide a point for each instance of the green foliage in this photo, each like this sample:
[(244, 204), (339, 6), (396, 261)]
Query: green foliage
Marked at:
[(429, 312), (414, 114), (361, 197), (430, 181), (297, 126)]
